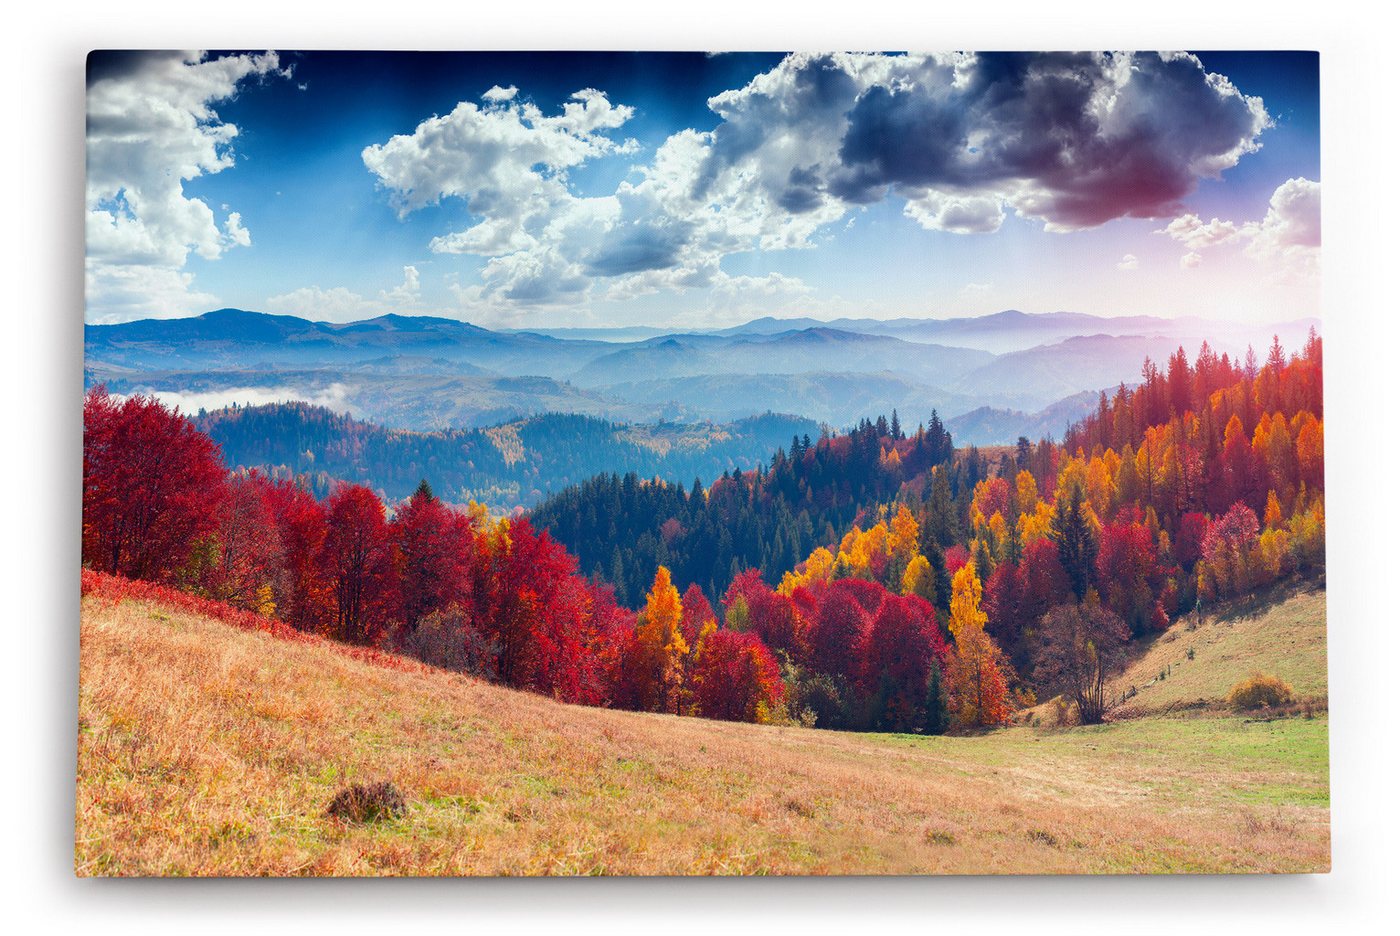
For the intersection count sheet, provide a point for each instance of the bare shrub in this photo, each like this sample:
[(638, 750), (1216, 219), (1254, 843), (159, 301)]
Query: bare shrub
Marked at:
[(360, 802), (1259, 690), (448, 640), (1081, 647), (799, 808)]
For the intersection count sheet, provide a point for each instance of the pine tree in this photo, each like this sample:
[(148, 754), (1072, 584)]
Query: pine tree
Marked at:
[(936, 716), (1069, 527)]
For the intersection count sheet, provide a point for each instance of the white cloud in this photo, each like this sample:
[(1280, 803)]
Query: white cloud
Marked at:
[(120, 293), (338, 304), (1065, 139), (1291, 233), (742, 298), (235, 234), (1288, 240), (959, 215), (150, 129), (1197, 235), (404, 296), (1129, 262), (506, 160)]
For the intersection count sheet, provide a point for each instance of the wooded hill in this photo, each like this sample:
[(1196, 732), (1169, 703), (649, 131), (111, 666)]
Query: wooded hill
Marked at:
[(515, 464)]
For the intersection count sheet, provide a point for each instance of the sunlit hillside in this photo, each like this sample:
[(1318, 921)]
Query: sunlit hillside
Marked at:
[(209, 750)]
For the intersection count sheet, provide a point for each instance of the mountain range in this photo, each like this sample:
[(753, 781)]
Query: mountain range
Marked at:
[(429, 373)]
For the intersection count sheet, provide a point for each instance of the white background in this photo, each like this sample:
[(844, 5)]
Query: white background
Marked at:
[(41, 339)]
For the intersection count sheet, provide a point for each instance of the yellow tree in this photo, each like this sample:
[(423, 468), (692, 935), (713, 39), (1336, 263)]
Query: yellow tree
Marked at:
[(1035, 524), (1027, 492), (661, 645), (1099, 485), (904, 533), (859, 547), (818, 567), (966, 609), (918, 579), (977, 688)]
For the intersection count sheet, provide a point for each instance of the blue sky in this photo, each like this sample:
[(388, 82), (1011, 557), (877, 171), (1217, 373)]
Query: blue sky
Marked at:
[(693, 189)]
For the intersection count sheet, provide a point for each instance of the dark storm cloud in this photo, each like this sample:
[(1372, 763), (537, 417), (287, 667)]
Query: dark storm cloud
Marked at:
[(1075, 139)]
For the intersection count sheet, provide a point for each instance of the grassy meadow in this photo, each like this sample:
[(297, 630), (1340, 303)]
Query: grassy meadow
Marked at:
[(208, 750)]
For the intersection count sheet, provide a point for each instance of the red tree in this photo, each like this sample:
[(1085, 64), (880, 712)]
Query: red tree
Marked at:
[(904, 644), (839, 633), (357, 559), (696, 612), (435, 544), (241, 561), (1044, 581), (770, 615), (736, 678), (1001, 600), (302, 593), (1129, 576), (1189, 533), (153, 486)]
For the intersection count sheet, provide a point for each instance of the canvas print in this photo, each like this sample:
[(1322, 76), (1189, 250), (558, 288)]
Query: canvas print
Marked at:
[(702, 463)]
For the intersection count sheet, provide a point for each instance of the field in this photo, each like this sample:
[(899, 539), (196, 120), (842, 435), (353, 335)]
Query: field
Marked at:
[(208, 750)]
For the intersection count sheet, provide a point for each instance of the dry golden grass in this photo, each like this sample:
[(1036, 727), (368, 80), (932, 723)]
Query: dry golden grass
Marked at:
[(206, 750)]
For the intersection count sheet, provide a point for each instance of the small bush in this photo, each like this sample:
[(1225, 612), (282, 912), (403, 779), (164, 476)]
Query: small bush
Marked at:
[(361, 802), (940, 837), (1260, 691)]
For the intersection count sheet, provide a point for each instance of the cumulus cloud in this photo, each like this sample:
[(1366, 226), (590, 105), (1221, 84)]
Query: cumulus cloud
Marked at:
[(1129, 262), (1196, 234), (509, 162), (336, 304), (958, 214), (497, 94), (1068, 140), (151, 127), (339, 304), (1291, 232), (1288, 239), (1072, 140)]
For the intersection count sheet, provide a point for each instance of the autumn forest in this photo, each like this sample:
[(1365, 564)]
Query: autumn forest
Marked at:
[(879, 578)]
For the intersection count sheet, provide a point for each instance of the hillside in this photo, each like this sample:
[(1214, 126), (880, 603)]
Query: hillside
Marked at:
[(1283, 634), (208, 750), (988, 426)]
